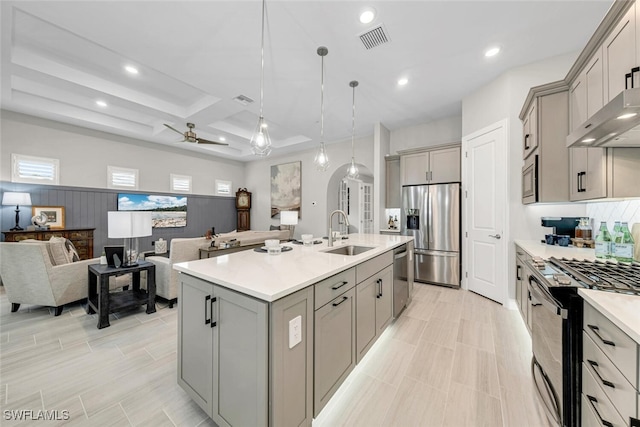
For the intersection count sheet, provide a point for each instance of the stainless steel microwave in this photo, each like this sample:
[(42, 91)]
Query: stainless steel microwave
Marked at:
[(530, 180)]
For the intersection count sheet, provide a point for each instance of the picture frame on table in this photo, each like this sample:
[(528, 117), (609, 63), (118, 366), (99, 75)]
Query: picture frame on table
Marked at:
[(54, 214)]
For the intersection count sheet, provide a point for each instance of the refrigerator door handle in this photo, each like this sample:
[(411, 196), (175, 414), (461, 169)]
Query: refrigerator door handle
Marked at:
[(430, 218), (438, 253)]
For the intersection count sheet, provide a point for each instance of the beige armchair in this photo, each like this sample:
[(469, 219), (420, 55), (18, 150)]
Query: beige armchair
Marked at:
[(29, 277)]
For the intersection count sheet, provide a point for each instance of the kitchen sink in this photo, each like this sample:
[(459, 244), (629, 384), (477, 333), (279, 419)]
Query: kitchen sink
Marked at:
[(349, 250)]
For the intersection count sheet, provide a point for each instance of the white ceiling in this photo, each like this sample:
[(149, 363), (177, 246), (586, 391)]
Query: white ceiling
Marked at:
[(194, 57)]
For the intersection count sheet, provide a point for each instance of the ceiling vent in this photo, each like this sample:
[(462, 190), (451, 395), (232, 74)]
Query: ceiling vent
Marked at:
[(374, 37), (244, 100)]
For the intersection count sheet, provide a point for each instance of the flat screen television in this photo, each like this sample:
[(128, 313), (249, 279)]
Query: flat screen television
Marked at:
[(166, 211)]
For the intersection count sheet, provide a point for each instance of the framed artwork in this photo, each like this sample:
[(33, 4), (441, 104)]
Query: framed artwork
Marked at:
[(166, 211), (286, 188), (54, 214)]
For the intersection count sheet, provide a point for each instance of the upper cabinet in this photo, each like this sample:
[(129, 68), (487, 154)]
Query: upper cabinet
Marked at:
[(586, 95), (392, 178), (432, 166), (619, 52), (545, 123)]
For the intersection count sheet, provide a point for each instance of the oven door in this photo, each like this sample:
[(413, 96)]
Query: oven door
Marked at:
[(530, 180), (546, 365)]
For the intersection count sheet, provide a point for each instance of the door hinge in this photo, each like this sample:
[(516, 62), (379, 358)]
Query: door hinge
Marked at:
[(466, 196), (466, 154), (466, 234), (466, 275)]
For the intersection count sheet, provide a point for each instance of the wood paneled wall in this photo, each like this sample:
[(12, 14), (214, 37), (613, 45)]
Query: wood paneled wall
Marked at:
[(88, 207)]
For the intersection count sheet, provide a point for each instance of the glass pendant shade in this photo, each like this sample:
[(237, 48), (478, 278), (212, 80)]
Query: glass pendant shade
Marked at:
[(260, 140), (321, 160), (352, 170)]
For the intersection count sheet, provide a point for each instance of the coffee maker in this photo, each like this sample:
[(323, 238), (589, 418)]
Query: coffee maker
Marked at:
[(561, 225)]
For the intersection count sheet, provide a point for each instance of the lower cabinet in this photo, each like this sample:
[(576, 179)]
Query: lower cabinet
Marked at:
[(374, 308), (335, 337), (223, 352), (522, 286)]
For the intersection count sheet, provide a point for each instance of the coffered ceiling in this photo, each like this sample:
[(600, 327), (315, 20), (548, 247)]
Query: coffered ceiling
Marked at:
[(195, 57)]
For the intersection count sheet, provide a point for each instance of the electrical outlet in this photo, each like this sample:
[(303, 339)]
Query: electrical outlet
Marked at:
[(295, 331)]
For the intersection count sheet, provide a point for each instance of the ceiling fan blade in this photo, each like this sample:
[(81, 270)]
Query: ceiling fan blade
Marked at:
[(206, 141), (173, 129)]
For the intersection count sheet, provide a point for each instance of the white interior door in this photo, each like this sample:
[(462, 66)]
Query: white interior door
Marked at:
[(366, 208), (485, 205), (343, 204)]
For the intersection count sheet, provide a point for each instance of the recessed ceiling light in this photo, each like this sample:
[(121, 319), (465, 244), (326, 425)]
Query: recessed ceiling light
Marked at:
[(367, 16), (101, 103), (222, 139), (627, 116), (131, 69), (403, 81), (492, 52)]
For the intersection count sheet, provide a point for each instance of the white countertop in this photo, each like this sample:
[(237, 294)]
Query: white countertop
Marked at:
[(271, 277), (537, 248), (390, 230), (623, 310)]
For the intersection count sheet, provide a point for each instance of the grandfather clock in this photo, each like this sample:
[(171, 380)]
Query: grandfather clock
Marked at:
[(243, 205)]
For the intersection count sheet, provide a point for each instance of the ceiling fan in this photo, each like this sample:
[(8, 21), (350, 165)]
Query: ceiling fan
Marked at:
[(190, 135)]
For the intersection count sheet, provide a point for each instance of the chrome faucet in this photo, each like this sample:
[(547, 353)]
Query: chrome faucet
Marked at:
[(330, 241)]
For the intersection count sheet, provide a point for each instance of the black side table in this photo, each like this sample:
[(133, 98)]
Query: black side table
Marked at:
[(104, 302)]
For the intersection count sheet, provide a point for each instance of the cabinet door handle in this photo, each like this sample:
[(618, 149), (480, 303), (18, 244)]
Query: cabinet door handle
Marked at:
[(213, 323), (381, 288), (595, 330), (207, 319), (339, 286), (518, 268), (628, 81), (526, 140), (426, 176), (593, 401), (594, 365), (581, 188), (335, 304), (634, 70)]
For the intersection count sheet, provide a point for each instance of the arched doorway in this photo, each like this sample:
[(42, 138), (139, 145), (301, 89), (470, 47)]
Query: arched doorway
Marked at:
[(354, 197)]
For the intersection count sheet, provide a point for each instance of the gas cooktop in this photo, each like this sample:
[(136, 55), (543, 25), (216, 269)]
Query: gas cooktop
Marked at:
[(601, 275)]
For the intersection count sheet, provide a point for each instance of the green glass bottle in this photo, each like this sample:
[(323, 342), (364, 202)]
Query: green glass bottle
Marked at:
[(615, 234), (624, 244), (603, 242)]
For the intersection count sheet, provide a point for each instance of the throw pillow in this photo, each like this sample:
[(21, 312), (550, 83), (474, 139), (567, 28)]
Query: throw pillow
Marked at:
[(58, 251), (71, 250)]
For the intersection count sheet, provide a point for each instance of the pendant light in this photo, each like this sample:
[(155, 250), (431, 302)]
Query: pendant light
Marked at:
[(352, 170), (260, 140), (321, 160)]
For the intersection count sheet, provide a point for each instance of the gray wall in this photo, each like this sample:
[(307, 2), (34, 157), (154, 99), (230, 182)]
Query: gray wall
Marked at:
[(88, 207)]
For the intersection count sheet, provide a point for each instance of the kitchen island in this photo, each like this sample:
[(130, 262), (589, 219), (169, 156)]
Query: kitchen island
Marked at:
[(267, 339)]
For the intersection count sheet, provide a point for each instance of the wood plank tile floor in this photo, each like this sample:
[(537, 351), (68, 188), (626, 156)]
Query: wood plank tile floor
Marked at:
[(452, 359)]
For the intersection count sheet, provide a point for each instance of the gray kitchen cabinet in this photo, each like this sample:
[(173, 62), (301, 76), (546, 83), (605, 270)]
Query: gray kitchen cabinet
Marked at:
[(586, 95), (522, 286), (223, 352), (530, 131), (610, 372), (433, 166), (392, 180), (619, 53), (545, 121), (374, 308), (334, 351)]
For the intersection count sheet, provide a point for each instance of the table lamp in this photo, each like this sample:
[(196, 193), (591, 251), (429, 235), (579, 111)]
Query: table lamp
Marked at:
[(129, 225), (290, 219), (10, 199)]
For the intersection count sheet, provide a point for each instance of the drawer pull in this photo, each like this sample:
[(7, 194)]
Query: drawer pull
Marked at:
[(214, 323), (595, 330), (335, 304), (594, 365), (339, 286), (207, 319), (593, 401)]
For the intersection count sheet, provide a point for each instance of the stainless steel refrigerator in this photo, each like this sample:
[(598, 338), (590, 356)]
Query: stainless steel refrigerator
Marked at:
[(431, 214)]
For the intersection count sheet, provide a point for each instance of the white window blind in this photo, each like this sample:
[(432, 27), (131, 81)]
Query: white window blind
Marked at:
[(35, 170), (223, 188), (180, 183), (122, 178)]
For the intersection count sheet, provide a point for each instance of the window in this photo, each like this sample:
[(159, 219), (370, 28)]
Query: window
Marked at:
[(35, 170), (180, 183), (122, 178), (223, 188)]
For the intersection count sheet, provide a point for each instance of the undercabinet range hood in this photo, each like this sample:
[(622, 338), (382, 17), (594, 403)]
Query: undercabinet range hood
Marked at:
[(617, 124)]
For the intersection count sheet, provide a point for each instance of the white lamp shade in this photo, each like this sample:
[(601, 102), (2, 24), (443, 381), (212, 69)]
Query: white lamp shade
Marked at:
[(15, 199), (126, 224), (288, 217)]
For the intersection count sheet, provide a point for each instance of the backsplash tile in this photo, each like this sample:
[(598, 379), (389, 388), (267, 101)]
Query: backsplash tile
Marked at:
[(626, 210)]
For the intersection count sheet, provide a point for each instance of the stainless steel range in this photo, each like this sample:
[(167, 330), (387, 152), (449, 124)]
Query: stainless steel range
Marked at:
[(556, 327)]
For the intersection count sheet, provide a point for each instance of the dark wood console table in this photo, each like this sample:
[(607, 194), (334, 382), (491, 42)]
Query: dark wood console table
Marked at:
[(103, 302), (82, 238)]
